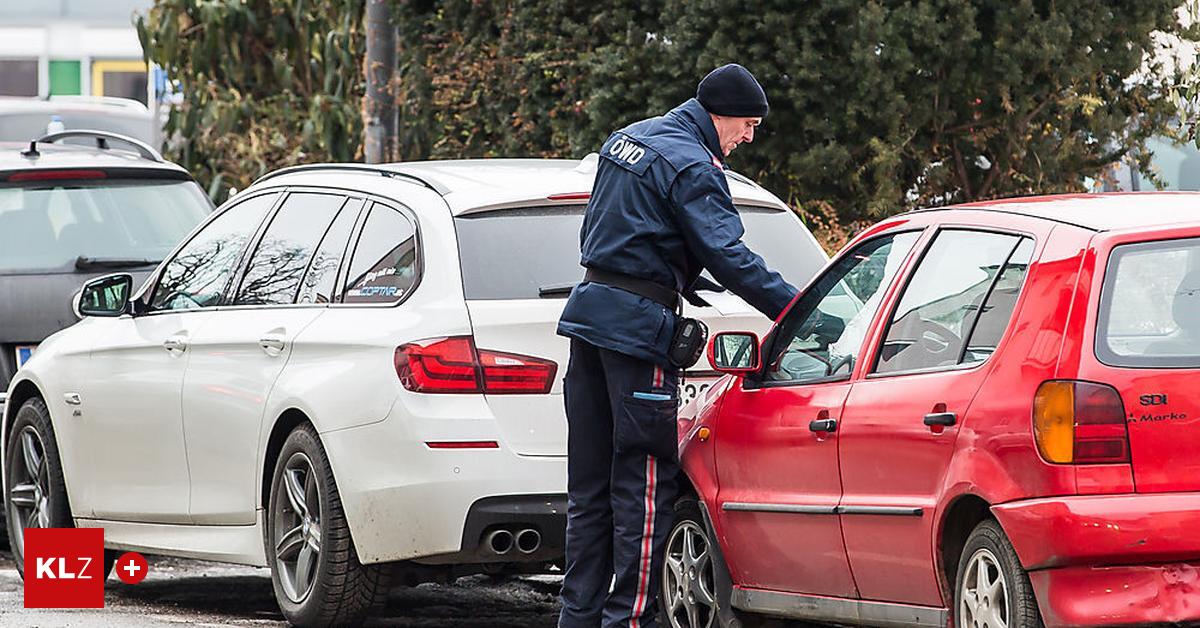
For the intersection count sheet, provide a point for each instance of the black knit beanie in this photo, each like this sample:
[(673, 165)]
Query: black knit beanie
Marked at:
[(731, 90)]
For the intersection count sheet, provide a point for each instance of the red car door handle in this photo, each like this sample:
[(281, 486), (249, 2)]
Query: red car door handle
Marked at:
[(823, 425), (941, 418)]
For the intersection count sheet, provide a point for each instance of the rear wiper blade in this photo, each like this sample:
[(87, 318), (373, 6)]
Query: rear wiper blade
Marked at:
[(556, 290), (84, 262)]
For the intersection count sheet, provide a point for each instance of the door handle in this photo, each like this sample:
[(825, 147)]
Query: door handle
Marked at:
[(273, 345), (175, 343), (823, 425), (944, 419)]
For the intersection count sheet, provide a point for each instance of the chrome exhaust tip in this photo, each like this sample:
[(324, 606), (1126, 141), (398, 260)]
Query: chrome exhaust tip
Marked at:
[(529, 541), (499, 541)]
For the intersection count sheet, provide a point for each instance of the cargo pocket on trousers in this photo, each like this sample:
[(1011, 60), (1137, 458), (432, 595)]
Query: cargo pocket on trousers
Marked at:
[(646, 426)]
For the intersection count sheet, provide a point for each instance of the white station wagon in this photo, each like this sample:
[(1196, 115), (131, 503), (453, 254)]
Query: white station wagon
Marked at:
[(348, 374)]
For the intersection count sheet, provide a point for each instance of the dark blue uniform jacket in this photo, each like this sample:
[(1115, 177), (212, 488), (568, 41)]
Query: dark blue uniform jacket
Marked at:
[(661, 210)]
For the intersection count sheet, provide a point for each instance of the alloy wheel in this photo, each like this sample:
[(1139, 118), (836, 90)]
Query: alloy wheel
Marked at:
[(688, 578), (984, 593), (29, 485), (298, 528)]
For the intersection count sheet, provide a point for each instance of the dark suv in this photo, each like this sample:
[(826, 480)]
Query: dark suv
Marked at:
[(69, 213)]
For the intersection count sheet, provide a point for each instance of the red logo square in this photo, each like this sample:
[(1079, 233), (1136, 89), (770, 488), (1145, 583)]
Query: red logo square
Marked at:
[(64, 568)]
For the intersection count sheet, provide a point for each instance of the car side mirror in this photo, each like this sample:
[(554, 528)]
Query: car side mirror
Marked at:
[(105, 296), (735, 352)]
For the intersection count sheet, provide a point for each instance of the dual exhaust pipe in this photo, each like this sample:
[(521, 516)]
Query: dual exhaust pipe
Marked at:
[(502, 541)]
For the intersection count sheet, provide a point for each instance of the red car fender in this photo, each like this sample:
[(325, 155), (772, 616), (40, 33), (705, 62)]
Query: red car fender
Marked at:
[(697, 459)]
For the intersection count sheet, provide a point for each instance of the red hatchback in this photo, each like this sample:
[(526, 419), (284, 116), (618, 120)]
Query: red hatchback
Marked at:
[(979, 416)]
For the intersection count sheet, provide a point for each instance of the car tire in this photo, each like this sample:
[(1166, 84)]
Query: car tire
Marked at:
[(315, 571), (680, 560), (35, 492), (991, 586)]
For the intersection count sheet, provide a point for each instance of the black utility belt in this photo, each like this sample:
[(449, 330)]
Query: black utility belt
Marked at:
[(662, 295), (691, 334)]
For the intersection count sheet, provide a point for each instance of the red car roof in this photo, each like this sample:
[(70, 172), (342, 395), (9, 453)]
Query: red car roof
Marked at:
[(1101, 212)]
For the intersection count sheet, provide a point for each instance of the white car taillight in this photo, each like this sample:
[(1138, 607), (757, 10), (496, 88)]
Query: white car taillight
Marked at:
[(455, 365)]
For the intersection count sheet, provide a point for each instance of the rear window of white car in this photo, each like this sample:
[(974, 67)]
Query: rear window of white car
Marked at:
[(1150, 306), (49, 227), (533, 252)]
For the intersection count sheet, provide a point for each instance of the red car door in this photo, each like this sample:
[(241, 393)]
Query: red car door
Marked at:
[(777, 452), (901, 419)]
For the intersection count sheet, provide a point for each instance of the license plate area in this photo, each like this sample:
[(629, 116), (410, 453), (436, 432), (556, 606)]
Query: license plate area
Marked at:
[(690, 388)]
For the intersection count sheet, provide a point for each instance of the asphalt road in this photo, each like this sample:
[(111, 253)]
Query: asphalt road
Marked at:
[(195, 593), (180, 592)]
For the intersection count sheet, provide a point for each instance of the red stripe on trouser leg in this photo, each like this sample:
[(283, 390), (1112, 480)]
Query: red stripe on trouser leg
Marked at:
[(658, 377), (643, 594)]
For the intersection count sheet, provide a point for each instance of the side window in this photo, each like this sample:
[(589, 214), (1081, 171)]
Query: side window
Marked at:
[(823, 332), (951, 286), (200, 273), (283, 253), (998, 308), (320, 280), (384, 266)]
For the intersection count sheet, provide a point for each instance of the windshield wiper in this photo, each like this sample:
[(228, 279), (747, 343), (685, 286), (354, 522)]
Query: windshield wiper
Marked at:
[(84, 262), (556, 290)]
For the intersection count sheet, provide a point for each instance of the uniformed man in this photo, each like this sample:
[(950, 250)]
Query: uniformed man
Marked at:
[(660, 212)]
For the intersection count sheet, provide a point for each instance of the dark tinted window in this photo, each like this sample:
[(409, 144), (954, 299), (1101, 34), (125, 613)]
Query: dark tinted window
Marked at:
[(512, 254), (200, 273), (942, 300), (273, 276), (321, 279), (821, 336), (384, 266)]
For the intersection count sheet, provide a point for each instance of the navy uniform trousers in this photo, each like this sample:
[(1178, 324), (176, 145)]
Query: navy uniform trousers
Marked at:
[(622, 463)]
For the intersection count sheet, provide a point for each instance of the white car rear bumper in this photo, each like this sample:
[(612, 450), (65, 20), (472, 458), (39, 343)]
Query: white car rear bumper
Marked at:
[(405, 500)]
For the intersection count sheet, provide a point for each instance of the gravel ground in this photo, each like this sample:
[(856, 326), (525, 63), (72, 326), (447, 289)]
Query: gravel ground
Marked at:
[(185, 592)]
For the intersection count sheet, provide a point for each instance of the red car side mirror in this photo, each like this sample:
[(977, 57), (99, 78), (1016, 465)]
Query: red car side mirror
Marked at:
[(735, 352)]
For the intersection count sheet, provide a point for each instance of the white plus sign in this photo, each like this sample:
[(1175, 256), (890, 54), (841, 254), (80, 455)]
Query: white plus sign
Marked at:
[(132, 568)]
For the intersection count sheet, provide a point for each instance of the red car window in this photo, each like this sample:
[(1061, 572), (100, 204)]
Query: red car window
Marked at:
[(1150, 306), (943, 300), (822, 335)]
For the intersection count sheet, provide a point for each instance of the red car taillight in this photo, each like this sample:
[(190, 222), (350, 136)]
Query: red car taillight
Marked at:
[(454, 365), (1080, 423)]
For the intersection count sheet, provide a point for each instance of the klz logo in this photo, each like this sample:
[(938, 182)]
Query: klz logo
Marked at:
[(64, 568), (56, 569), (1153, 400)]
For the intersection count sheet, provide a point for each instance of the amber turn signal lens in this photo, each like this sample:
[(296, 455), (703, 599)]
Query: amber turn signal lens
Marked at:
[(1054, 421), (703, 433), (1076, 422)]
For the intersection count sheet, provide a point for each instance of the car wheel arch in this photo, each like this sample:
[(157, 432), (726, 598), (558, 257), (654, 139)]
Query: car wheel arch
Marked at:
[(24, 391), (288, 421), (959, 519)]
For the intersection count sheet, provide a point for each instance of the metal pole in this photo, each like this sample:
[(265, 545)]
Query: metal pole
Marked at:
[(379, 109)]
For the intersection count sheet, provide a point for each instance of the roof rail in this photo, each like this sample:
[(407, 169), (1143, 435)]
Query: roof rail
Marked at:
[(441, 190), (101, 137)]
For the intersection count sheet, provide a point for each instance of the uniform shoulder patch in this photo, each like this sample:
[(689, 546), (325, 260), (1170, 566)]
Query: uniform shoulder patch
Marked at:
[(628, 153)]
